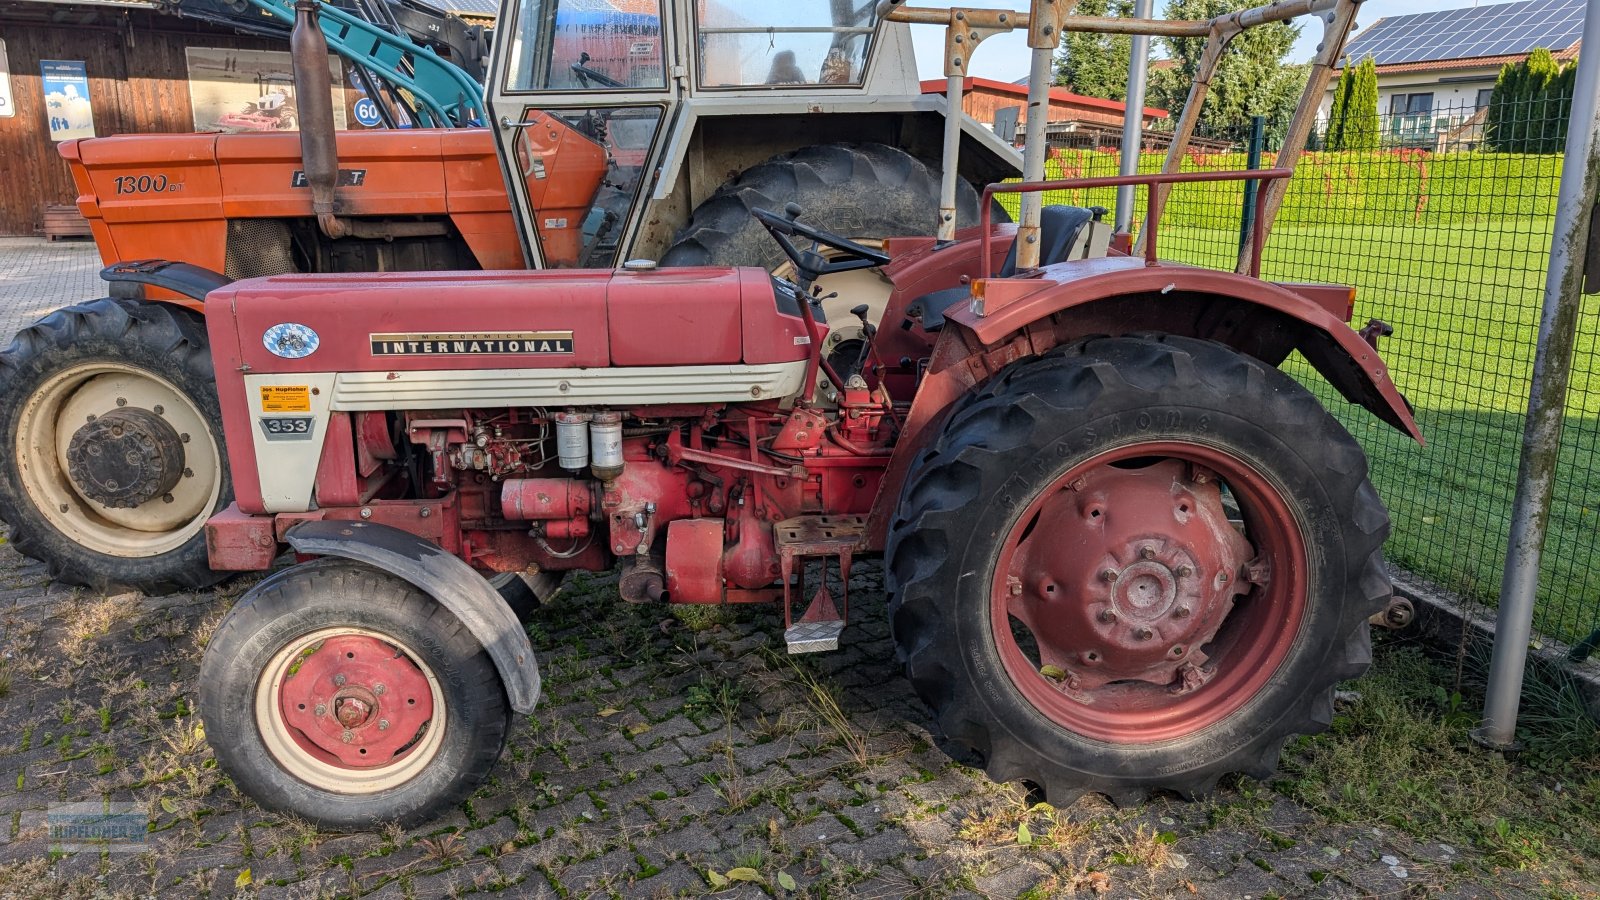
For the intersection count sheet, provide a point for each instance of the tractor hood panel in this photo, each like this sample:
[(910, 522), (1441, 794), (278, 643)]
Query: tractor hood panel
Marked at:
[(409, 322)]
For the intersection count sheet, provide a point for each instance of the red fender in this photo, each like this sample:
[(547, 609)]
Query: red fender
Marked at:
[(1121, 295)]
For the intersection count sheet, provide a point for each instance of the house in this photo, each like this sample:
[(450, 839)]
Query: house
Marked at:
[(1074, 119), (1436, 70)]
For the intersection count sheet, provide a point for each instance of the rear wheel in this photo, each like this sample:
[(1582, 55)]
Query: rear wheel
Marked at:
[(346, 696), (1135, 564), (115, 454)]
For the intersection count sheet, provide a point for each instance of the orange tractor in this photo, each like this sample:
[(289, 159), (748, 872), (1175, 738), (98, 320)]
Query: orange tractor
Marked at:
[(1123, 551)]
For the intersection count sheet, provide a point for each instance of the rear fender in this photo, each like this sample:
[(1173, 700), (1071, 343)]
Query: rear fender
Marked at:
[(446, 579), (1123, 295), (128, 279)]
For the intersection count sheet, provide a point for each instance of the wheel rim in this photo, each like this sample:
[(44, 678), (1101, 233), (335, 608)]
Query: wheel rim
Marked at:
[(1128, 608), (350, 711), (53, 470)]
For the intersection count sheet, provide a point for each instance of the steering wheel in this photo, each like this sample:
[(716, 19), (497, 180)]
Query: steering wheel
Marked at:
[(811, 264), (586, 74)]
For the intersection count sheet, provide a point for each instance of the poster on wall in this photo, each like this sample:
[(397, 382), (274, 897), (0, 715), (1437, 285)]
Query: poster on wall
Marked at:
[(250, 90), (7, 107), (66, 98)]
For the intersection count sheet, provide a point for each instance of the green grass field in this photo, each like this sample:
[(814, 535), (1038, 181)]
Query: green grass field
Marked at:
[(1464, 299)]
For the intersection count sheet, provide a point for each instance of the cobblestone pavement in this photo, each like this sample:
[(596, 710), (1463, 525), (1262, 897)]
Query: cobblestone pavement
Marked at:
[(663, 761), (37, 276)]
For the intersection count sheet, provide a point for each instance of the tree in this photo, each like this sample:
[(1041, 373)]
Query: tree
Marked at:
[(1530, 105), (1359, 129), (1341, 100), (1096, 65), (1252, 80)]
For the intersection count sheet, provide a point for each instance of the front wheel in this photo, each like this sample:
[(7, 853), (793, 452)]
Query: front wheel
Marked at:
[(345, 696), (1135, 564)]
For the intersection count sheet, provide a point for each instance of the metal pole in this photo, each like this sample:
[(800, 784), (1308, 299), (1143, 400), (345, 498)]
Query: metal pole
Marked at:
[(1133, 116), (1033, 157), (1247, 219), (1552, 368), (952, 148)]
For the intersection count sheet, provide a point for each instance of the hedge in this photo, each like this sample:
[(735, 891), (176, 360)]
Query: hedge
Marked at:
[(1382, 187)]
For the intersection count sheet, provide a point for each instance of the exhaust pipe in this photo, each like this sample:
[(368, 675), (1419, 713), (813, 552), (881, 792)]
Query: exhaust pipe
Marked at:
[(319, 154)]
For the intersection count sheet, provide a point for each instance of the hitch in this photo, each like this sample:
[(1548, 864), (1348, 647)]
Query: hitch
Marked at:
[(1397, 615)]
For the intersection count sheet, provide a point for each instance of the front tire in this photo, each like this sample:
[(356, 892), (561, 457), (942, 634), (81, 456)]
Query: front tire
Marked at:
[(1135, 564), (113, 454), (345, 696)]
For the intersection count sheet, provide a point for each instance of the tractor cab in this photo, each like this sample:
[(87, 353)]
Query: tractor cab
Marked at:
[(595, 101)]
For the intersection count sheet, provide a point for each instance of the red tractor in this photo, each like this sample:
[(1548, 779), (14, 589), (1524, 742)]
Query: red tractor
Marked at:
[(1124, 552)]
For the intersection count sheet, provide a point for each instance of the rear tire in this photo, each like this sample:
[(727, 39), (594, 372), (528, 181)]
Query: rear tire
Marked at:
[(1077, 600), (316, 642), (83, 363), (866, 191)]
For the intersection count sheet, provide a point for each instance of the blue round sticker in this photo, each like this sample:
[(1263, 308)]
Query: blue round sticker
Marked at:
[(367, 112)]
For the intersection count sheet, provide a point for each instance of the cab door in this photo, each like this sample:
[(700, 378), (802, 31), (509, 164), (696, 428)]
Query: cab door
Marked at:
[(578, 93)]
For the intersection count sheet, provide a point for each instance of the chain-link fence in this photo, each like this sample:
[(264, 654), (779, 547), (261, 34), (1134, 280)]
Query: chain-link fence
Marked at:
[(1445, 232)]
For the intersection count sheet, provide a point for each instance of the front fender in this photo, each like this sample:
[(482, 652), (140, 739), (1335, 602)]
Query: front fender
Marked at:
[(446, 579), (1122, 295)]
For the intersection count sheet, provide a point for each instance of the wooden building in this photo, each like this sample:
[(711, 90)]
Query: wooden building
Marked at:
[(137, 62)]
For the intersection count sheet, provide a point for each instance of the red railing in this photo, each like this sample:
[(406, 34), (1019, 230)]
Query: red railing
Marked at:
[(1157, 201)]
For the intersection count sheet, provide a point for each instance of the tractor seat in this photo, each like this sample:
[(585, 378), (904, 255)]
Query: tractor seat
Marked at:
[(1065, 232)]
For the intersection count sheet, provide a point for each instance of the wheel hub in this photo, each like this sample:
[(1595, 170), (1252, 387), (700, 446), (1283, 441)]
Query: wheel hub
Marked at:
[(1127, 574), (356, 701), (125, 458)]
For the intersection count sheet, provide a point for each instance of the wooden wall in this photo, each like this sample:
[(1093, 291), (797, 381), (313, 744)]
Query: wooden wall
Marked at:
[(138, 83)]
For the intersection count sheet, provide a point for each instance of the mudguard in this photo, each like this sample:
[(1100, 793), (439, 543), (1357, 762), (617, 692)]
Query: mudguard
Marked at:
[(1118, 295), (179, 277), (445, 578)]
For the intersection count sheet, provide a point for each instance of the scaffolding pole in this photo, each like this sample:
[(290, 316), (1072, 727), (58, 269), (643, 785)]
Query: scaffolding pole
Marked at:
[(1133, 116), (1570, 249)]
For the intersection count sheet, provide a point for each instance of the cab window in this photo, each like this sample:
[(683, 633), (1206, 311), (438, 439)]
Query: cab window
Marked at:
[(587, 45), (815, 42)]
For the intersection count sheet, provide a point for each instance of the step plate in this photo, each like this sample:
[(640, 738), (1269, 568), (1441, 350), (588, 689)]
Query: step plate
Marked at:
[(813, 637)]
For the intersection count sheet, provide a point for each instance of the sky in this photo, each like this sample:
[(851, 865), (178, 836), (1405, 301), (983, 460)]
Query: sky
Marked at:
[(1005, 58)]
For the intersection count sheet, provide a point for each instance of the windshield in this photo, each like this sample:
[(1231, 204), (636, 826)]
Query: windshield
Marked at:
[(796, 42), (587, 45)]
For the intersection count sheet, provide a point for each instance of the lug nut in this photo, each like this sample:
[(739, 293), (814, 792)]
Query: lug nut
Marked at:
[(383, 724), (348, 736), (366, 512), (338, 680), (1182, 612), (1016, 589), (1108, 616), (378, 689), (160, 410), (1147, 552), (1144, 634), (1176, 651), (322, 709), (1184, 571), (1109, 575), (122, 401)]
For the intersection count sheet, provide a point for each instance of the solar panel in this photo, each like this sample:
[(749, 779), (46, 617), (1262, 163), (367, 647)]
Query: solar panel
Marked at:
[(1501, 29)]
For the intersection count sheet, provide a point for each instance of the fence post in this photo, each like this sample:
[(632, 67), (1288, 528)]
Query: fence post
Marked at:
[(1247, 219), (1133, 116), (1547, 400)]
